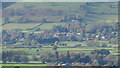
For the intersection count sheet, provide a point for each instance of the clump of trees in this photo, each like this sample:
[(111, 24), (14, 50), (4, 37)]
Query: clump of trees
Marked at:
[(55, 47), (48, 40), (15, 56), (96, 58), (102, 51), (25, 15)]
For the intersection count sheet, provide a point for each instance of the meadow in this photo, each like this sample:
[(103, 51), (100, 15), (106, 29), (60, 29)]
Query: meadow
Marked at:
[(83, 48), (49, 26), (97, 12), (23, 26)]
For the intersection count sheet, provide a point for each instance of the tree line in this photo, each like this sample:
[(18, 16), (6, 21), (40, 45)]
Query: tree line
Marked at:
[(96, 58)]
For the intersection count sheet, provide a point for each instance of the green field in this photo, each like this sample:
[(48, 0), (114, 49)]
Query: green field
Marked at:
[(95, 15), (19, 26), (23, 65), (80, 49), (99, 12), (72, 43), (57, 5), (33, 52), (24, 26), (49, 26)]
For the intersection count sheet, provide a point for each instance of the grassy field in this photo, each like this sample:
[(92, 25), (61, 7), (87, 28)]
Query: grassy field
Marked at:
[(96, 9), (33, 52), (19, 26), (23, 65), (49, 25), (29, 26), (49, 5), (70, 43), (80, 49)]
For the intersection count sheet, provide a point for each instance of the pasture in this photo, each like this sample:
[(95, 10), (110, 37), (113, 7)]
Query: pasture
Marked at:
[(85, 50), (22, 65), (49, 26), (61, 49), (23, 26), (98, 12)]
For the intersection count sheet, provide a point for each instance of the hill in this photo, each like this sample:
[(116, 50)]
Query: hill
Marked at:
[(52, 12), (94, 10)]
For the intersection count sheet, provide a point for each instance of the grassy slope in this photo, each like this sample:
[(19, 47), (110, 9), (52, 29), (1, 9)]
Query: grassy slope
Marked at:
[(37, 5), (74, 8), (49, 25), (19, 26), (102, 8)]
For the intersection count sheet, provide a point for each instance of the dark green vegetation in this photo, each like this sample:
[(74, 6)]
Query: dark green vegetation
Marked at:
[(38, 32)]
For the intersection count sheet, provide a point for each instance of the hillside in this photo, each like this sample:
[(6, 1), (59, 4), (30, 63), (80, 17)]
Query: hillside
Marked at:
[(53, 12), (91, 11)]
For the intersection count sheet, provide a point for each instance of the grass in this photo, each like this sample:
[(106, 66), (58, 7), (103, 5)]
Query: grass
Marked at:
[(29, 62), (23, 65), (69, 9), (24, 31), (76, 9), (116, 53), (33, 52), (38, 32), (80, 49), (70, 43), (49, 25), (19, 26), (24, 26), (102, 8), (51, 5)]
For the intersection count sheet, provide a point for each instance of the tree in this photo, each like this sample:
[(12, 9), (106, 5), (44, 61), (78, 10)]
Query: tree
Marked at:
[(4, 57), (17, 58), (44, 20), (47, 57), (95, 62), (6, 20), (68, 56), (102, 52), (24, 59), (101, 61), (16, 67), (12, 56), (57, 55), (39, 47), (54, 47), (34, 58), (103, 45)]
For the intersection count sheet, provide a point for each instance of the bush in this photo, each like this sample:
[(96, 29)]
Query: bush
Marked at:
[(102, 51)]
